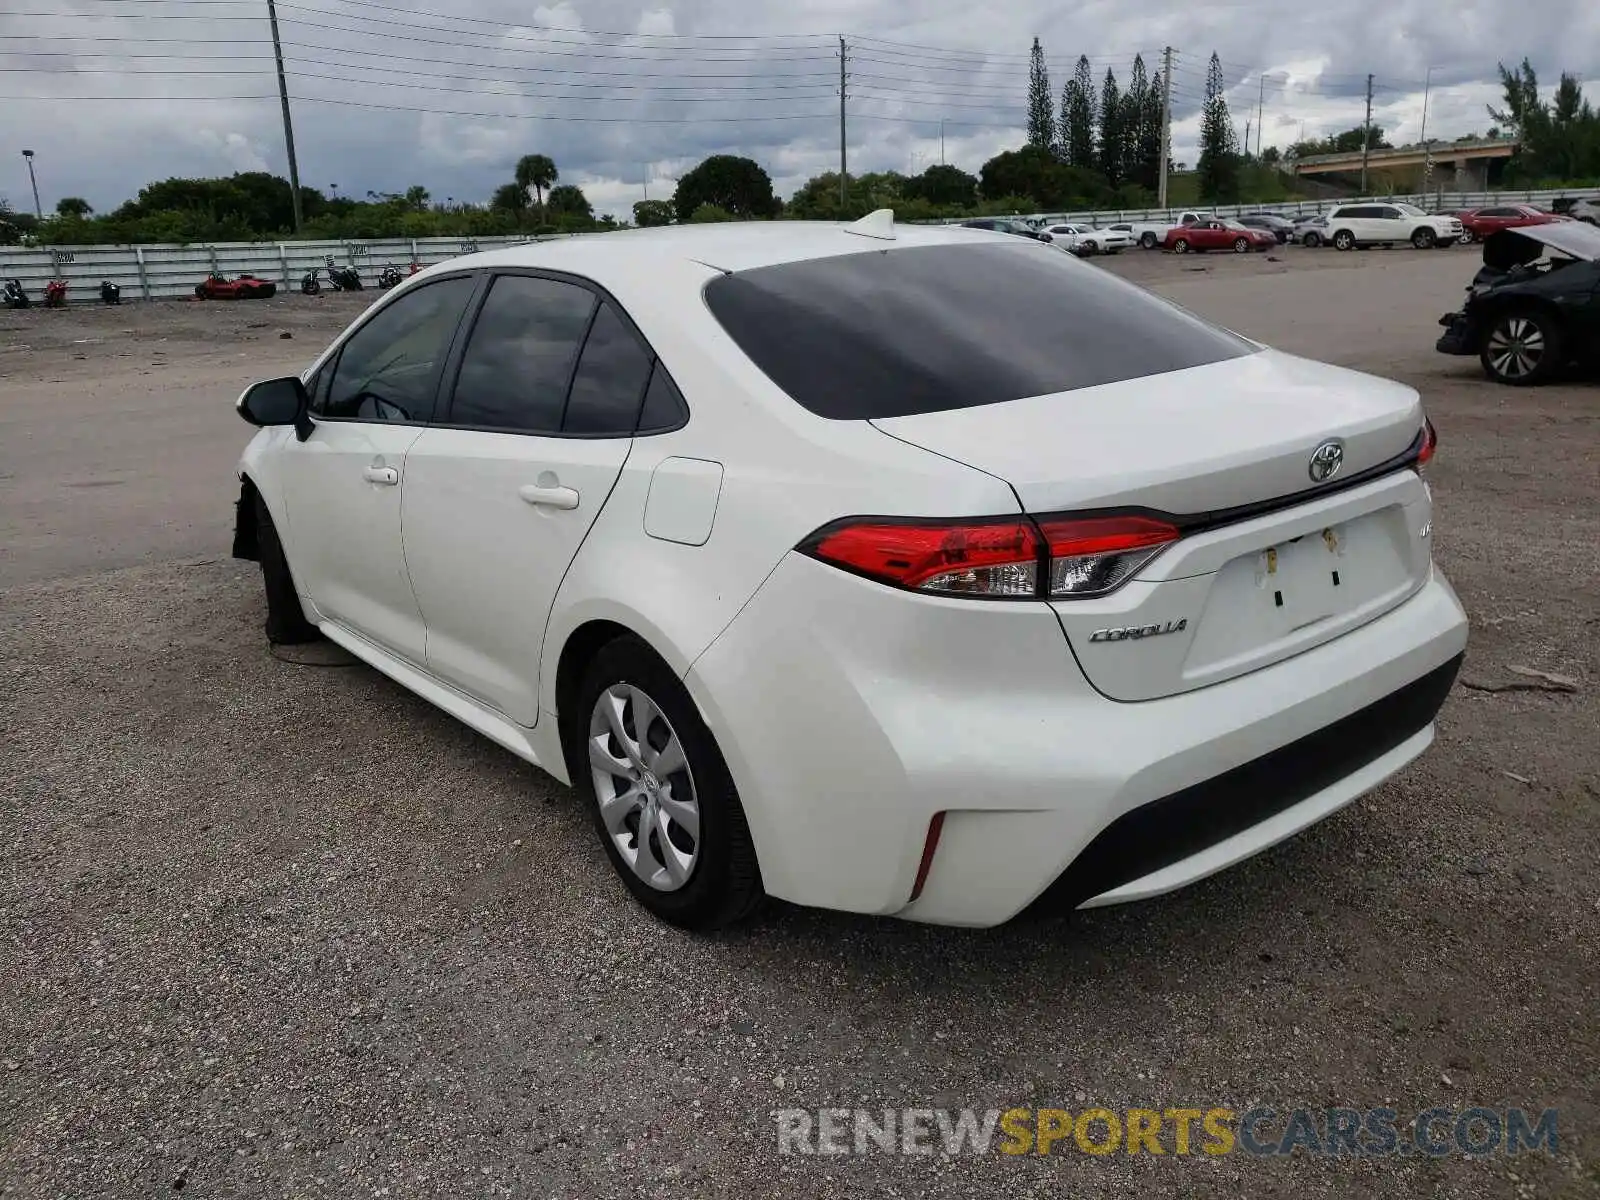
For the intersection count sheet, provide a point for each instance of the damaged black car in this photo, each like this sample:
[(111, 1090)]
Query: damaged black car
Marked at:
[(1533, 310)]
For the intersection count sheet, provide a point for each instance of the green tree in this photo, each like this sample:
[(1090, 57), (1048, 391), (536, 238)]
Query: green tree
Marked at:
[(942, 186), (509, 197), (710, 213), (1041, 111), (536, 171), (569, 201), (1077, 117), (1135, 113), (1218, 168), (75, 207), (737, 185), (417, 198), (1113, 132), (647, 213), (1047, 182)]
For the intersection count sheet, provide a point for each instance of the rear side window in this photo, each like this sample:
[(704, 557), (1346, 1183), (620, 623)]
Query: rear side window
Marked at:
[(518, 363), (931, 328), (609, 384)]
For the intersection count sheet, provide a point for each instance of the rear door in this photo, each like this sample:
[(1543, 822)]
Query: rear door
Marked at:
[(502, 490)]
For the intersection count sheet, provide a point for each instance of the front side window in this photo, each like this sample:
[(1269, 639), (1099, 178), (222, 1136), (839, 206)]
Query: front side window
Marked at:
[(930, 328), (389, 369), (519, 360)]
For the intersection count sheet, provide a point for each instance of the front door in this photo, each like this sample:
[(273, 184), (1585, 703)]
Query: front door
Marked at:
[(502, 491), (342, 485)]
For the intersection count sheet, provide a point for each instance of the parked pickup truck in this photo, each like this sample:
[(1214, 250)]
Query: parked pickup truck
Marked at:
[(1150, 234)]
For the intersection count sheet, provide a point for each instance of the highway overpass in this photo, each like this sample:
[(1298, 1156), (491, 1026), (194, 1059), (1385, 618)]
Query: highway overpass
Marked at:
[(1468, 162)]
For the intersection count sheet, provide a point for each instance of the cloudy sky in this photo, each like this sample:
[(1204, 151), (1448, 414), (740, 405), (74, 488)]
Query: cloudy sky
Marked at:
[(627, 94)]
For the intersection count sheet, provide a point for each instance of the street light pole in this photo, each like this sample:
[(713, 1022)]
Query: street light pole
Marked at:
[(38, 209)]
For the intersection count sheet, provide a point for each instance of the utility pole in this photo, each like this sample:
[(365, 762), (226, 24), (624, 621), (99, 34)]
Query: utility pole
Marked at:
[(844, 178), (1166, 126), (288, 126), (1427, 150), (941, 141), (1366, 137), (1247, 135), (38, 210), (1261, 108)]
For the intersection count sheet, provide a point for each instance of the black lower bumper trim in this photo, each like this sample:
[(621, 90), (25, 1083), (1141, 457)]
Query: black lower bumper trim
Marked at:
[(1168, 830)]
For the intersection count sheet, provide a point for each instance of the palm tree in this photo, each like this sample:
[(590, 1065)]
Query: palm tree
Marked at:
[(73, 206), (536, 171)]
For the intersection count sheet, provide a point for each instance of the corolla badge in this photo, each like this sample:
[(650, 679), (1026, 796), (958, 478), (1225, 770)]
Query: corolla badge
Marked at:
[(1326, 460)]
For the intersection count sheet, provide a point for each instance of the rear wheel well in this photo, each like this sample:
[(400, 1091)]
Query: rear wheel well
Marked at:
[(585, 642)]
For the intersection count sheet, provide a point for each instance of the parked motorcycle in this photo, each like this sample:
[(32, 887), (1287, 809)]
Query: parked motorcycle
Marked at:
[(55, 293), (344, 279), (311, 282), (415, 267), (110, 293), (14, 294), (389, 276)]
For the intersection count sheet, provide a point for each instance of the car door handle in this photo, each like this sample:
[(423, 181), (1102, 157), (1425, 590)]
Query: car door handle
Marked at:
[(549, 497), (387, 476)]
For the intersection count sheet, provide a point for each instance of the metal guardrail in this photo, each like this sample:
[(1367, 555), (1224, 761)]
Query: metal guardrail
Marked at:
[(170, 271), (164, 272)]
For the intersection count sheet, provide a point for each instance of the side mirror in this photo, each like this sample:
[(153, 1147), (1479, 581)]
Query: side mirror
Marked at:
[(273, 402)]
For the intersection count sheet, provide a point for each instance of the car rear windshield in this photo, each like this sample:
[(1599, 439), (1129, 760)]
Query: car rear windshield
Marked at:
[(893, 333)]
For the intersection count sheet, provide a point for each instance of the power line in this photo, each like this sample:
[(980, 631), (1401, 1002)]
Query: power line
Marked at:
[(454, 62), (497, 23), (714, 89)]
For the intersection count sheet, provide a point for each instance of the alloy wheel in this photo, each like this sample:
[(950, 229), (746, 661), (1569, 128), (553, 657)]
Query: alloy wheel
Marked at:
[(644, 787), (1516, 347)]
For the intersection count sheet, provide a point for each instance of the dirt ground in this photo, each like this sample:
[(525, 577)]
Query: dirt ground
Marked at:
[(280, 928)]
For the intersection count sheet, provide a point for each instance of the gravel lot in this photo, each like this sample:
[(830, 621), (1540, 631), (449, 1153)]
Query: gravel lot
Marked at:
[(283, 929)]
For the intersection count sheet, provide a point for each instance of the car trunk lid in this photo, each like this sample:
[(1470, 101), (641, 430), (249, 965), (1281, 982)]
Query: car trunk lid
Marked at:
[(1272, 561)]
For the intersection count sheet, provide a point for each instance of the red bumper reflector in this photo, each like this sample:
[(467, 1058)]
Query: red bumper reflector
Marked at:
[(929, 848)]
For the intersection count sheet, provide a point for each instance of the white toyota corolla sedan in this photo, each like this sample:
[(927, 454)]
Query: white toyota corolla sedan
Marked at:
[(898, 570)]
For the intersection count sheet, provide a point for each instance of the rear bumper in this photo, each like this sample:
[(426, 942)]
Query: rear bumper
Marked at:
[(1460, 335), (850, 714)]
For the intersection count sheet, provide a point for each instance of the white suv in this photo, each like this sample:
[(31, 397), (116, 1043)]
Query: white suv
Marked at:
[(1352, 225)]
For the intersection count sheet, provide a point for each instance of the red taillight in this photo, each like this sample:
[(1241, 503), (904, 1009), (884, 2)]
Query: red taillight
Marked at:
[(1430, 443), (1004, 558), (1090, 556), (966, 558)]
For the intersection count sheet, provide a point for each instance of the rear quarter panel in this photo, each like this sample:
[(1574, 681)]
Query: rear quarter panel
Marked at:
[(785, 472)]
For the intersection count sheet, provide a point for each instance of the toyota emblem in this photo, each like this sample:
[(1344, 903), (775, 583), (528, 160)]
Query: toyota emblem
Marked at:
[(1326, 460)]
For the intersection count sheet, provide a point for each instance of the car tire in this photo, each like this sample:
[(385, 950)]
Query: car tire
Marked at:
[(199, 291), (286, 620), (1521, 347), (1090, 249), (1181, 246), (1148, 240), (1468, 237), (721, 881), (1423, 239), (1344, 240), (1241, 245), (1311, 241)]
